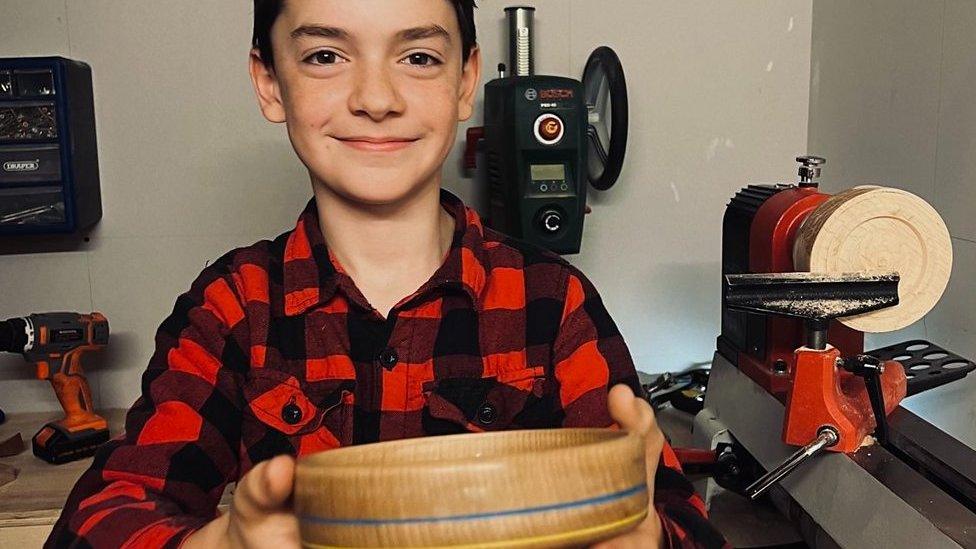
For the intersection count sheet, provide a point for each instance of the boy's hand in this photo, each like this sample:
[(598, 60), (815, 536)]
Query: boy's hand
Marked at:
[(260, 514), (635, 415)]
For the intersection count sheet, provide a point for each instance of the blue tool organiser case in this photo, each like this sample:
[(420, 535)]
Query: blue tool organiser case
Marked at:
[(48, 152)]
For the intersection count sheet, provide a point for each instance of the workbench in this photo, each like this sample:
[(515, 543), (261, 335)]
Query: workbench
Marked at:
[(30, 505)]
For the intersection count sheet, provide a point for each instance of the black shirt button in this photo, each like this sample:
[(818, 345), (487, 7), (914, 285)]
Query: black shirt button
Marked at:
[(487, 414), (291, 413), (387, 357)]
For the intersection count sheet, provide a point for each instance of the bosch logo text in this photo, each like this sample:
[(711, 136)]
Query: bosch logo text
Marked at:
[(556, 94)]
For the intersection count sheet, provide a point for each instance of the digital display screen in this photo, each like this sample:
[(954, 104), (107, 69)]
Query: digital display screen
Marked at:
[(548, 172)]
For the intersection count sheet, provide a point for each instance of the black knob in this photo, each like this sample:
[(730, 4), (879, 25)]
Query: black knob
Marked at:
[(812, 161), (551, 221), (809, 171)]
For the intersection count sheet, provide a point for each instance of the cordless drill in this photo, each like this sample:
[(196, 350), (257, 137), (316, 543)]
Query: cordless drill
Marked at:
[(54, 343)]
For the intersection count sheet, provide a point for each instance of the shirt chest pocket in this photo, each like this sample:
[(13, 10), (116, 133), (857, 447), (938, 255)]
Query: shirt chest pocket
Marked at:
[(516, 400), (313, 416)]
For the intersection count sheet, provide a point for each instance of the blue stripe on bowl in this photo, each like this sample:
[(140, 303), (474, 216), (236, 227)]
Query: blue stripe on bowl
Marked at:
[(599, 500)]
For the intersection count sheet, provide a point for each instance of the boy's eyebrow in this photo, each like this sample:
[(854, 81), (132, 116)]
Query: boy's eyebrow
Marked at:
[(319, 31), (406, 35), (420, 33)]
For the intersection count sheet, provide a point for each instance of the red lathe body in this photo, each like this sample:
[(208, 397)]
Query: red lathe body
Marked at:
[(760, 229)]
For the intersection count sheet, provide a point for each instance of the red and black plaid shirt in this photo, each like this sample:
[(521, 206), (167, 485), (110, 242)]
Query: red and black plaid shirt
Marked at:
[(274, 350)]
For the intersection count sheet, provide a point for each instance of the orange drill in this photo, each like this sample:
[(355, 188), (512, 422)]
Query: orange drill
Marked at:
[(54, 343)]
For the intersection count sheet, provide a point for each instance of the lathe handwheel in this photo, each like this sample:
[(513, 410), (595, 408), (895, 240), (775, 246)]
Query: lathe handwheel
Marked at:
[(606, 101)]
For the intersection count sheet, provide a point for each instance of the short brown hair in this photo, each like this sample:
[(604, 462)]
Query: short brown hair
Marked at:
[(267, 11)]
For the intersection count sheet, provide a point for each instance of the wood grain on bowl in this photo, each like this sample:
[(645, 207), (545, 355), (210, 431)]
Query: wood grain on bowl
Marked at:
[(536, 488)]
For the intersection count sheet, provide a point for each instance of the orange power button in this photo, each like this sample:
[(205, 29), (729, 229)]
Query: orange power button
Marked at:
[(549, 129)]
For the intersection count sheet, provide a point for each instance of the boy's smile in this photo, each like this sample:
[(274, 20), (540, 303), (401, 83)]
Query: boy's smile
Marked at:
[(371, 96), (377, 144)]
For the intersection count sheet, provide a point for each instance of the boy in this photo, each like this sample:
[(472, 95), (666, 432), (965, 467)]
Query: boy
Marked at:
[(388, 312)]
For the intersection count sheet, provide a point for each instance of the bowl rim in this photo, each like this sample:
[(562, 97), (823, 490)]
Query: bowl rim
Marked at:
[(313, 464)]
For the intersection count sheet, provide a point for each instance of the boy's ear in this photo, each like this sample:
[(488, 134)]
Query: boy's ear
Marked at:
[(470, 79), (266, 86)]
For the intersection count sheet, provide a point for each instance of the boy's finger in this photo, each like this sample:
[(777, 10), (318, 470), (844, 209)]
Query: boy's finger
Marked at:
[(266, 487), (635, 415), (653, 446), (631, 413), (281, 479)]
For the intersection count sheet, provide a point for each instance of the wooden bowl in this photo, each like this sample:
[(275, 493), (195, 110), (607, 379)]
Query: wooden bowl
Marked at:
[(536, 488)]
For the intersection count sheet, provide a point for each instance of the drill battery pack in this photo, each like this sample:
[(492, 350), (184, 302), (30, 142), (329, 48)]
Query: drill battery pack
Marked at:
[(55, 444)]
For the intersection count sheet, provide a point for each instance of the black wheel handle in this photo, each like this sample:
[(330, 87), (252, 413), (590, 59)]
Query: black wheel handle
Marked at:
[(604, 60)]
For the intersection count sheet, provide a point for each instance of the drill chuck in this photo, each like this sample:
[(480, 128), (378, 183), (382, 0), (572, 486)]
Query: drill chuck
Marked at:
[(13, 335)]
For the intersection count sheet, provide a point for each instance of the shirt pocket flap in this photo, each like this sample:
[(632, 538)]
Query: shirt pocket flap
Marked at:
[(282, 402), (456, 405)]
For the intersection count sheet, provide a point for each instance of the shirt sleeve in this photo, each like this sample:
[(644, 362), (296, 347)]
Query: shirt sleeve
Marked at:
[(590, 357), (162, 478)]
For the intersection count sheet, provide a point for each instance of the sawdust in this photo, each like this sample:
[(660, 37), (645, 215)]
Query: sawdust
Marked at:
[(824, 308)]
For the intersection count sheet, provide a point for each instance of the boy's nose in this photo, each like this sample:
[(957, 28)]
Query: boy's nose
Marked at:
[(375, 94)]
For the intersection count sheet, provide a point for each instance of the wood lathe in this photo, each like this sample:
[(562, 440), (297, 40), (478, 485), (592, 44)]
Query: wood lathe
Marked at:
[(863, 448)]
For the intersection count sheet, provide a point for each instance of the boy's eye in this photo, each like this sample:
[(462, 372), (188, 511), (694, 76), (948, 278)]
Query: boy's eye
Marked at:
[(323, 57), (422, 59)]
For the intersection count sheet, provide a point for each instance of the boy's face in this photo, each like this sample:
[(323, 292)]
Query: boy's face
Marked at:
[(371, 91)]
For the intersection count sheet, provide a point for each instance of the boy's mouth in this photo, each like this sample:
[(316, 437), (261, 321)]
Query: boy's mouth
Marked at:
[(376, 144)]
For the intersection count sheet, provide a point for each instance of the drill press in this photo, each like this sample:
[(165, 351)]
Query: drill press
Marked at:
[(546, 139)]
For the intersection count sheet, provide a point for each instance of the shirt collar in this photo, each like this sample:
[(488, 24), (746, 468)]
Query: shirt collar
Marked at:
[(311, 275)]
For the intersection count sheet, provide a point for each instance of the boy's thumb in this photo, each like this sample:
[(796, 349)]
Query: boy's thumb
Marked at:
[(279, 480), (267, 486)]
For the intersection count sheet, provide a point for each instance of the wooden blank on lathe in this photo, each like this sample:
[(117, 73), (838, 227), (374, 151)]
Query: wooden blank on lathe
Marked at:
[(880, 229)]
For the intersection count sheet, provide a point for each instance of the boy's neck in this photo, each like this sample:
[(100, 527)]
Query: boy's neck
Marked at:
[(388, 250)]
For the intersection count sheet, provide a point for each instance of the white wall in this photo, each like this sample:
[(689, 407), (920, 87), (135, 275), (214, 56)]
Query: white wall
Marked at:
[(189, 168), (892, 103)]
